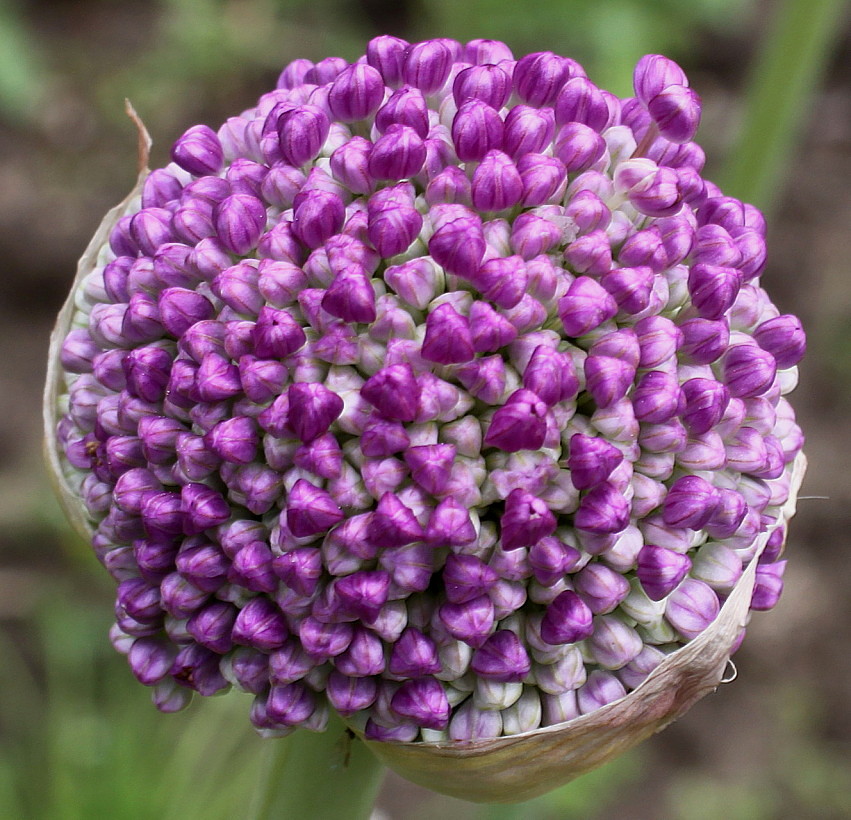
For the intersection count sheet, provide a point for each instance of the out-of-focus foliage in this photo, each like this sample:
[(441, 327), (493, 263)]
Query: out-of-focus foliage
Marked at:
[(81, 740)]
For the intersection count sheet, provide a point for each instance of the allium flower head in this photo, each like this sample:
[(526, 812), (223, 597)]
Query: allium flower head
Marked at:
[(439, 390)]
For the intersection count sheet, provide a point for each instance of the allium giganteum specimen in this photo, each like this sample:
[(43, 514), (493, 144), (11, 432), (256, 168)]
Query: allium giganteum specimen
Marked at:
[(439, 390)]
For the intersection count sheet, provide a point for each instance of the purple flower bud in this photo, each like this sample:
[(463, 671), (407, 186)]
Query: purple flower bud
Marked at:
[(313, 407), (181, 308), (600, 689), (543, 179), (489, 330), (394, 392), (246, 176), (362, 594), (502, 280), (349, 695), (713, 289), (607, 379), (393, 524), (459, 243), (591, 460), (768, 586), (180, 597), (470, 622), (252, 568), (690, 502), (691, 607), (351, 296), (159, 438), (299, 569), (430, 465), (414, 655), (496, 184), (450, 186), (476, 129), (578, 146), (705, 403), (566, 620), (198, 668), (151, 659), (714, 246), (318, 216), (288, 664), (488, 83), (393, 226), (550, 375), (260, 624), (525, 521), (234, 440), (356, 93), (550, 559), (423, 701), (591, 253), (502, 657), (198, 151), (290, 704), (658, 339), (600, 587), (613, 644), (527, 130), (602, 510), (407, 106), (323, 640), (588, 211), (676, 112), (653, 74), (585, 306), (203, 508), (657, 398), (466, 577), (632, 288), (363, 657), (581, 101), (538, 77), (783, 337), (302, 131), (161, 187), (660, 570), (120, 241), (450, 525), (398, 154), (150, 228), (704, 340), (276, 334), (212, 625), (240, 219), (311, 510), (147, 370), (619, 344), (748, 370), (387, 54), (427, 65), (448, 339), (520, 424)]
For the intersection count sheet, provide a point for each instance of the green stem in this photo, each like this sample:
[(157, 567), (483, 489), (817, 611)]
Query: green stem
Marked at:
[(787, 71), (321, 775)]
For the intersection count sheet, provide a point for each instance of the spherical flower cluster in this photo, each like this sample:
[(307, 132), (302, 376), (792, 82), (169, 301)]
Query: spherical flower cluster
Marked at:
[(438, 389)]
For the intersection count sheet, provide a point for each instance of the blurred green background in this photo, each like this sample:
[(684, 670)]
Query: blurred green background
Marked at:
[(78, 736)]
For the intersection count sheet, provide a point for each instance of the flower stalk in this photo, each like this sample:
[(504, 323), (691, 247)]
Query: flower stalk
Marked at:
[(324, 775)]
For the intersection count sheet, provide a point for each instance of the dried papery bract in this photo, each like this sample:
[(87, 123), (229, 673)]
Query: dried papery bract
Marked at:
[(441, 394)]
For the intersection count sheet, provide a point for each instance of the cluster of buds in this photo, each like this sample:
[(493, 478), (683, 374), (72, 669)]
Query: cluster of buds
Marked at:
[(438, 389)]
